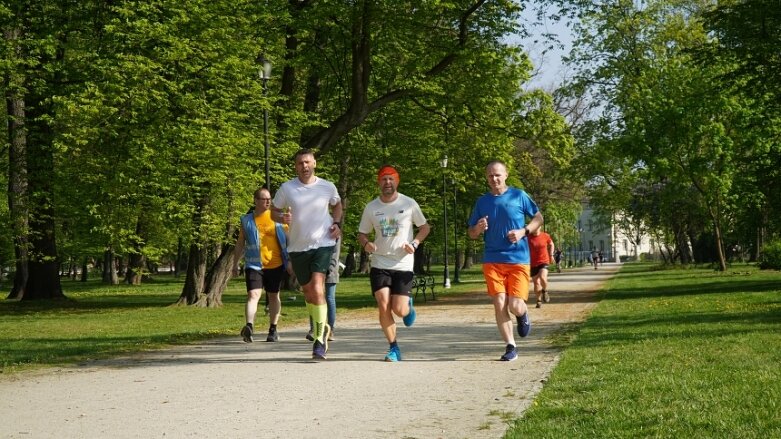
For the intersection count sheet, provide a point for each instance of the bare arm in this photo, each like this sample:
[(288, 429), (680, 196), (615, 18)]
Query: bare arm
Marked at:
[(336, 214), (365, 243), (481, 226)]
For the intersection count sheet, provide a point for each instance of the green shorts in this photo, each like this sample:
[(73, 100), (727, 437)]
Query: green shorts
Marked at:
[(305, 263)]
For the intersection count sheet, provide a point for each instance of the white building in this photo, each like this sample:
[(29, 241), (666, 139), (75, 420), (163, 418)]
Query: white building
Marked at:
[(616, 244)]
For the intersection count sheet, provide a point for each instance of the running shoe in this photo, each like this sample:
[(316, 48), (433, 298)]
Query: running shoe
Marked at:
[(272, 335), (409, 319), (545, 296), (246, 334), (524, 324), (510, 354), (310, 336), (331, 335), (319, 350), (393, 355), (539, 304)]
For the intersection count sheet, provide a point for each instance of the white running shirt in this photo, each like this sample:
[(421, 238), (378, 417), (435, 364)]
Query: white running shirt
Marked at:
[(309, 204), (392, 225)]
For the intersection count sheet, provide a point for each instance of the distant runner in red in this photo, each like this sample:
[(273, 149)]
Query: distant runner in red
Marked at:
[(541, 248)]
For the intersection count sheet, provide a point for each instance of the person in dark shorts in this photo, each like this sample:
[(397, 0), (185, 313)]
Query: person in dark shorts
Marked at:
[(391, 217), (541, 248), (263, 244), (312, 208)]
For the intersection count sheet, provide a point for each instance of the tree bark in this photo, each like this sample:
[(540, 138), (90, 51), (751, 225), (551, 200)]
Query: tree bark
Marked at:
[(217, 279), (137, 260), (109, 267), (17, 174), (196, 276), (43, 282)]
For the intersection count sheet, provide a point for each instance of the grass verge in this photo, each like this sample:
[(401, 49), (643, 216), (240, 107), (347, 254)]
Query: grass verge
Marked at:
[(671, 353)]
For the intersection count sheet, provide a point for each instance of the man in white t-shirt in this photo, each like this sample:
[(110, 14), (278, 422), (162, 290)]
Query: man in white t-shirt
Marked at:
[(391, 216), (312, 208)]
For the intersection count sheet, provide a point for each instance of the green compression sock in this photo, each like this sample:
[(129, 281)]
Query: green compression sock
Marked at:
[(319, 314)]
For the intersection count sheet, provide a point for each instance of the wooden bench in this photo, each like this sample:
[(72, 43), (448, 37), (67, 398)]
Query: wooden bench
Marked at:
[(423, 282)]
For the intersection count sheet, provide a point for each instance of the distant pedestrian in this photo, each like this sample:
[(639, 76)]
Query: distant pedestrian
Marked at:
[(500, 216), (541, 248), (311, 206), (594, 258), (391, 218)]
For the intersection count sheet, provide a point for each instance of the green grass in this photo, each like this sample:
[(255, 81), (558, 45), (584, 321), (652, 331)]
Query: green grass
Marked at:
[(670, 353), (101, 321)]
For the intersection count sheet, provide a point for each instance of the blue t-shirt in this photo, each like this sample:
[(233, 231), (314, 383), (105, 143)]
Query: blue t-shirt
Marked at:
[(505, 212)]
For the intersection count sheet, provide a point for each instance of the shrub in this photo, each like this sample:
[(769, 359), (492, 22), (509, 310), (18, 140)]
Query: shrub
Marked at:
[(771, 256)]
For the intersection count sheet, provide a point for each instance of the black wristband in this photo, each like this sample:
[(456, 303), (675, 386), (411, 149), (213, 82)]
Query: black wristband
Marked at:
[(365, 244), (337, 223), (527, 230)]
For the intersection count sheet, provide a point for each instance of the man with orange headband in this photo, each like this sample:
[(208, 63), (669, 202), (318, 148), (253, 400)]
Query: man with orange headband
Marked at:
[(391, 217)]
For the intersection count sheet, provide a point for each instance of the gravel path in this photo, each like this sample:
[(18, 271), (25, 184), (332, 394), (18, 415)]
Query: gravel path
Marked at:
[(450, 384)]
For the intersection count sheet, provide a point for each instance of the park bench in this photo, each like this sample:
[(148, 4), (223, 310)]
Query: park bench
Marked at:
[(423, 282)]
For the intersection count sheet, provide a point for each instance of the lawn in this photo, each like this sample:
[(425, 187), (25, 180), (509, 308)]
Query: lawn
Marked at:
[(101, 321), (669, 353)]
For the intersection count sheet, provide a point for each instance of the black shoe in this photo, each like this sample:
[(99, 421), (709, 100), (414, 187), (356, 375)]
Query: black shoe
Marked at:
[(246, 334), (309, 336), (272, 335)]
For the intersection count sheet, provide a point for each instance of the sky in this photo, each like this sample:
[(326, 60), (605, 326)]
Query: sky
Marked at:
[(548, 68)]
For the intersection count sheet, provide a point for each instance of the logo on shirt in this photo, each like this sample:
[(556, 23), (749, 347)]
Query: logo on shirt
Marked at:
[(389, 227)]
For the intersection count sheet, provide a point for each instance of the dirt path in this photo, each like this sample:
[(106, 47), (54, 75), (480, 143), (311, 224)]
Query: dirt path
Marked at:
[(450, 384)]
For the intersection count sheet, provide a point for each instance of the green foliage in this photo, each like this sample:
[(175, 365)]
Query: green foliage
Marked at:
[(771, 256)]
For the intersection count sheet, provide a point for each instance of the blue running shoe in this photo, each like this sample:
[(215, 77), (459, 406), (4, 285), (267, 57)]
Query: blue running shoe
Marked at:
[(409, 319), (319, 350), (393, 355), (510, 354), (524, 324)]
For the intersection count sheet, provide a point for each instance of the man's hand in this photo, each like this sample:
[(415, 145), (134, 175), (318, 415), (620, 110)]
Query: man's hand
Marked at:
[(516, 235)]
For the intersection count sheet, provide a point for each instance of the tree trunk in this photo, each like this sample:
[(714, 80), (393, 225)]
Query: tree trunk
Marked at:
[(349, 261), (469, 254), (109, 267), (217, 278), (85, 269), (196, 274), (43, 281), (17, 176), (137, 260)]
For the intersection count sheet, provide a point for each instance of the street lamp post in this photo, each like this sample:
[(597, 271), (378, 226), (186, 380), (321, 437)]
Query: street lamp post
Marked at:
[(457, 270), (443, 163), (264, 73)]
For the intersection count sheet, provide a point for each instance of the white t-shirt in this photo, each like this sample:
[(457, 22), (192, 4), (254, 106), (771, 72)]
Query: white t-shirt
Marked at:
[(392, 224), (309, 204)]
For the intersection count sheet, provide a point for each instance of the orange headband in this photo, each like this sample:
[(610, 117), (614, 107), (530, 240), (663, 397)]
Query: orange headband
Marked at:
[(387, 170)]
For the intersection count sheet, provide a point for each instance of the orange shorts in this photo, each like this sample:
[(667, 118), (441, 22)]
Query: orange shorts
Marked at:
[(512, 279)]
